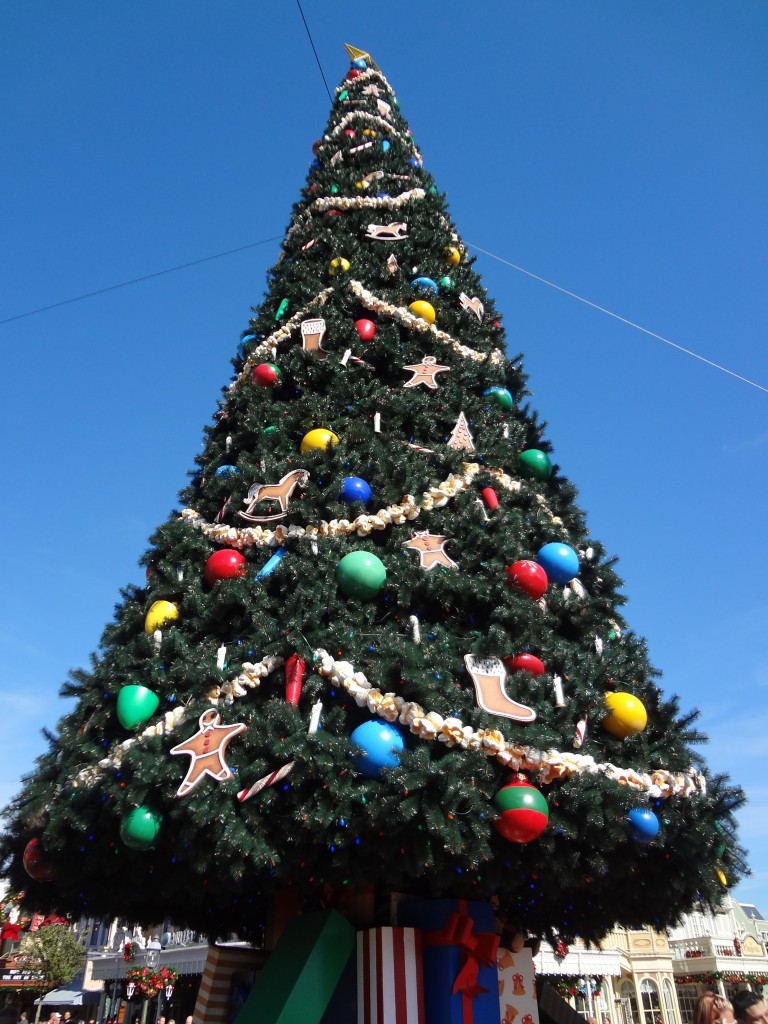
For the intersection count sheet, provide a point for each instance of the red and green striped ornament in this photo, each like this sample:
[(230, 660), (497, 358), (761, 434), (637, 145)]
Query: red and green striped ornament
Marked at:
[(524, 812)]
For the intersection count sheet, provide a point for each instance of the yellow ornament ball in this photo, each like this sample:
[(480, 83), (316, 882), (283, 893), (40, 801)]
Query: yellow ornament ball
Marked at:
[(423, 310), (721, 877), (338, 265), (626, 715), (319, 438), (454, 256), (160, 612)]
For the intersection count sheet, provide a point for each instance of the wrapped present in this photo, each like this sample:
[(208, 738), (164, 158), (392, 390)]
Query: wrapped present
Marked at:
[(461, 984), (517, 987), (301, 974), (389, 977)]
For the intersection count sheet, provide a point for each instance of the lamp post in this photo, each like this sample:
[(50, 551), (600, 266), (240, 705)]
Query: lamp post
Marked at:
[(151, 959), (168, 993)]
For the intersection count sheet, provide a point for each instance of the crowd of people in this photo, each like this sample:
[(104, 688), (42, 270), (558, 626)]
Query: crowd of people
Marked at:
[(747, 1008)]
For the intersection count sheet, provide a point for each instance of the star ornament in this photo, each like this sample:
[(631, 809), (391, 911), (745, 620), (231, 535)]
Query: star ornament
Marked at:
[(431, 549), (424, 373), (206, 750)]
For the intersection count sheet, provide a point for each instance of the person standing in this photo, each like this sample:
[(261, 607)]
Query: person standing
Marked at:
[(750, 1008)]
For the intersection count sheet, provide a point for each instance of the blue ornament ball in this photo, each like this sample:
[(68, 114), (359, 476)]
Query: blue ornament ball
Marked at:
[(354, 488), (379, 746), (226, 471), (501, 396), (385, 146), (424, 282), (559, 561), (414, 162), (359, 63), (643, 825)]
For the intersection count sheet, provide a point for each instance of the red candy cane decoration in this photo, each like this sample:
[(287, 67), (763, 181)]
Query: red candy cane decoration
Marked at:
[(267, 780)]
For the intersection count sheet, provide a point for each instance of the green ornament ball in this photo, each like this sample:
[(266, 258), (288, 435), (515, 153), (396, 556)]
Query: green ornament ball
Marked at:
[(447, 282), (139, 828), (136, 704), (535, 463), (361, 574)]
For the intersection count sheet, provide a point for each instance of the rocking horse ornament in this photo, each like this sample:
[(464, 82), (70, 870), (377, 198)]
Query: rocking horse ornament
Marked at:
[(280, 492)]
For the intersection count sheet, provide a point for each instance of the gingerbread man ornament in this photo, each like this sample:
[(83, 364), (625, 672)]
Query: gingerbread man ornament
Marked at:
[(206, 750)]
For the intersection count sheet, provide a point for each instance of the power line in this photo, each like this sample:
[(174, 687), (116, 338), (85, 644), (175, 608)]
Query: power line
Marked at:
[(312, 44), (137, 280), (622, 319), (500, 259)]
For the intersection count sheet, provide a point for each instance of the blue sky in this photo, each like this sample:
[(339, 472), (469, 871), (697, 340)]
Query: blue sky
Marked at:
[(618, 149)]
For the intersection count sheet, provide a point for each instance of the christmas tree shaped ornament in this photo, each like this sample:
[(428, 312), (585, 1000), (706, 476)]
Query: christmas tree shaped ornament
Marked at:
[(352, 612), (461, 439)]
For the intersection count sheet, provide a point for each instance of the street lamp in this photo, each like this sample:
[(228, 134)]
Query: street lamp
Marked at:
[(153, 953)]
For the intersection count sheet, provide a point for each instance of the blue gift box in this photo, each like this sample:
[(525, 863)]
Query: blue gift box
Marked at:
[(461, 981)]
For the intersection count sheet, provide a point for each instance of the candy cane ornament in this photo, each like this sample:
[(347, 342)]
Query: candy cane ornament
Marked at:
[(267, 780)]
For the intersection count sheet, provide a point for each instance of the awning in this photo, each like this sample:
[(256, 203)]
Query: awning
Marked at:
[(579, 962), (69, 997)]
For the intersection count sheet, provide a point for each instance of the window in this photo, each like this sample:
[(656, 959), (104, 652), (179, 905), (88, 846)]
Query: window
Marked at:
[(686, 1000), (629, 1010), (670, 1003), (649, 993)]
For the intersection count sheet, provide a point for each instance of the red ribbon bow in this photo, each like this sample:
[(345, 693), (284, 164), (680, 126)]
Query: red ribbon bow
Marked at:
[(476, 948)]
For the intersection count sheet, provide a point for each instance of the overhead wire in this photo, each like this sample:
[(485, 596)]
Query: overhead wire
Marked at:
[(621, 319), (312, 44), (485, 252), (478, 248), (137, 280)]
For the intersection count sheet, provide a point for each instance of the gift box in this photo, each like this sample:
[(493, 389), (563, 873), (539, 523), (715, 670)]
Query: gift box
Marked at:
[(517, 988), (389, 976), (301, 974), (460, 944)]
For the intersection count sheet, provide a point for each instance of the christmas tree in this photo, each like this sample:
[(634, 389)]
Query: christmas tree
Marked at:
[(377, 646)]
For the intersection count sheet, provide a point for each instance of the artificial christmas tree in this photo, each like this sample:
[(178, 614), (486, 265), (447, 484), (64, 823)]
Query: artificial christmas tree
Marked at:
[(375, 533)]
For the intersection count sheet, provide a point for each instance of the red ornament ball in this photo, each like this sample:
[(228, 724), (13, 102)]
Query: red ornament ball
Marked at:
[(224, 565), (353, 73), (529, 577), (37, 863), (524, 812), (366, 329), (525, 663), (266, 375), (350, 132)]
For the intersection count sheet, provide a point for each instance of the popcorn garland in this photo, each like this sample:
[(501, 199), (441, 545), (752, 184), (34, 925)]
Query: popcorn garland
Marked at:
[(407, 319), (547, 766), (362, 525), (371, 302), (281, 334), (325, 203), (250, 678), (427, 725)]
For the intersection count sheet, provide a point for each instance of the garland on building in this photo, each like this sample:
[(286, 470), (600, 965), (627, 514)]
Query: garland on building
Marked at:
[(731, 977), (149, 982), (570, 985)]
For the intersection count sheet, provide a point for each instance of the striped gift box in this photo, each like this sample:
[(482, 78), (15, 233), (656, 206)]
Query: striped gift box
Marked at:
[(390, 986)]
